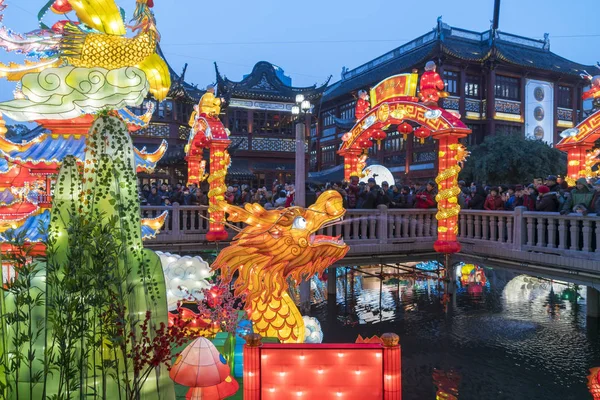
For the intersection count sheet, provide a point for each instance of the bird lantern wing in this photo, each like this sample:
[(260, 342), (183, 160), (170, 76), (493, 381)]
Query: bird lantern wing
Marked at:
[(102, 15)]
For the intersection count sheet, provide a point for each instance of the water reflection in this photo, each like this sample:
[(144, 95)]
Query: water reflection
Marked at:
[(508, 335)]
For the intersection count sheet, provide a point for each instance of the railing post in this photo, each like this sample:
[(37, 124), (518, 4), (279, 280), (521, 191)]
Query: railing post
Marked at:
[(519, 228), (176, 222), (382, 224)]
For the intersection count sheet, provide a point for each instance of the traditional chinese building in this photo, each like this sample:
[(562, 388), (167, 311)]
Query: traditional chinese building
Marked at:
[(499, 83), (258, 114), (170, 123)]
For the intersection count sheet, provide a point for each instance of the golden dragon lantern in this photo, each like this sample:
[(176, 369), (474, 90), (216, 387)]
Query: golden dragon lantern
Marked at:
[(274, 246)]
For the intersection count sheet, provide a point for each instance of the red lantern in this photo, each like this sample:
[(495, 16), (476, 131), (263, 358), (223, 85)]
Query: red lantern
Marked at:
[(405, 128), (378, 135), (61, 7), (365, 143), (422, 133)]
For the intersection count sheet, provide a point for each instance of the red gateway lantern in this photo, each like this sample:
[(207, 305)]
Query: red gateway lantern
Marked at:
[(405, 128), (422, 133), (378, 135)]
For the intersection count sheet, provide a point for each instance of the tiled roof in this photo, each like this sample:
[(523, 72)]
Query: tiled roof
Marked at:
[(56, 149), (264, 84), (459, 44), (179, 87)]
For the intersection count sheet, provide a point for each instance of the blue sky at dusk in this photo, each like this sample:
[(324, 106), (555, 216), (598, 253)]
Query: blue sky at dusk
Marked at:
[(312, 39)]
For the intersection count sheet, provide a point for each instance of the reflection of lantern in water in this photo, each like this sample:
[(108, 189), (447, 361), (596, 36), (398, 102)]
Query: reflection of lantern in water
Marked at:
[(594, 383), (472, 274)]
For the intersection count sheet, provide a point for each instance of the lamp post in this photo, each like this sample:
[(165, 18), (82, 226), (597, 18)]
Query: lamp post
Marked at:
[(300, 110)]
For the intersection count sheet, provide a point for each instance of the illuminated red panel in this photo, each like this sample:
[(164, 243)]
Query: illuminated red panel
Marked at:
[(349, 372)]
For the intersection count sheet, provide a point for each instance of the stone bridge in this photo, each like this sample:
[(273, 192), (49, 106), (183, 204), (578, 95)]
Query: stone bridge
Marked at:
[(564, 246)]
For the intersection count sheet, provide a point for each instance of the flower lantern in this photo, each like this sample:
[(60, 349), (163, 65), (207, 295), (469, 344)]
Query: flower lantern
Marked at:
[(405, 128), (201, 367), (422, 133), (378, 136)]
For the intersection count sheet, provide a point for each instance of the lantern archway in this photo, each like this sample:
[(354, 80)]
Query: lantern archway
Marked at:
[(578, 143), (209, 132), (394, 103)]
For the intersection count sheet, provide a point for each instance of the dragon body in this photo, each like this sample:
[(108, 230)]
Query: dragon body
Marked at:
[(277, 245)]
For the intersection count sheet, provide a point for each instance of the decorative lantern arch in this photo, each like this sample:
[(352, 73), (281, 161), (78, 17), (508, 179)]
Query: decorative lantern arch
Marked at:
[(394, 103), (578, 143)]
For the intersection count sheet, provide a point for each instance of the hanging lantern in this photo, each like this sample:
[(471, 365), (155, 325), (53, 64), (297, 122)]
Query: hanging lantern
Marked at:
[(405, 128), (378, 135), (422, 133)]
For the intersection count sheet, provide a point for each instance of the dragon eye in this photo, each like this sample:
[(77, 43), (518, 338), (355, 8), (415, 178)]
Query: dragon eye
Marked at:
[(299, 223)]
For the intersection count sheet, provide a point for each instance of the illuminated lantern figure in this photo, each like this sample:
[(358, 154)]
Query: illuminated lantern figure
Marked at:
[(422, 134), (274, 246), (201, 367), (405, 128), (378, 136), (431, 85), (362, 105), (210, 105), (61, 7), (594, 91)]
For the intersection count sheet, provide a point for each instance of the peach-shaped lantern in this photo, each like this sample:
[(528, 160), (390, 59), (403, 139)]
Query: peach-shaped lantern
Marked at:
[(201, 367)]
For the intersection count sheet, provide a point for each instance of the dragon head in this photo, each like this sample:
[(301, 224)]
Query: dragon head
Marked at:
[(278, 244)]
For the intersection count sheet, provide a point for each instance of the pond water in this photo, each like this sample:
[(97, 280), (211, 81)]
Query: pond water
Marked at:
[(496, 334)]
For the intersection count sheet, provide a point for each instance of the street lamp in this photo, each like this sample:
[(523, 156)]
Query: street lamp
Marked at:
[(299, 112)]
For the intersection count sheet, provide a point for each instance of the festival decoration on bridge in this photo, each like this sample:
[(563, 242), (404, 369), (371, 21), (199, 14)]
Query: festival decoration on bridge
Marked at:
[(87, 65), (274, 246), (394, 102), (208, 132), (105, 189)]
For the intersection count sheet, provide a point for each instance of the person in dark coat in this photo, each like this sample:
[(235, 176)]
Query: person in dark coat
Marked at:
[(595, 205), (406, 200), (529, 198), (372, 194), (154, 198), (547, 200), (477, 198), (494, 201)]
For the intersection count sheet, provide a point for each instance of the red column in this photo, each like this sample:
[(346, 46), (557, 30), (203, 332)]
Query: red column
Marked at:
[(351, 161), (575, 160), (252, 359), (219, 162), (447, 181), (392, 367), (194, 171)]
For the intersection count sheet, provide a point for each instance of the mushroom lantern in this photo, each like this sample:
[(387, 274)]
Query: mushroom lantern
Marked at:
[(201, 367)]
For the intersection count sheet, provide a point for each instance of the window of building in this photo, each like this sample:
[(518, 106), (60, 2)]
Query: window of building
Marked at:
[(272, 123), (238, 121), (507, 88), (168, 109), (328, 155), (347, 110), (565, 99), (394, 142), (505, 129), (472, 86), (452, 82), (328, 118)]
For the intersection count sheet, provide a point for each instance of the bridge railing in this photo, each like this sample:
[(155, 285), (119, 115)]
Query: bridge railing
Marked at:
[(384, 230)]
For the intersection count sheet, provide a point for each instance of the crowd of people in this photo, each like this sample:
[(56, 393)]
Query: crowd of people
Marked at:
[(552, 194), (157, 194)]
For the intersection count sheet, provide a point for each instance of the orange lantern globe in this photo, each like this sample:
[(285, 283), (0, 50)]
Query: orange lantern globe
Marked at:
[(422, 133), (405, 128)]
